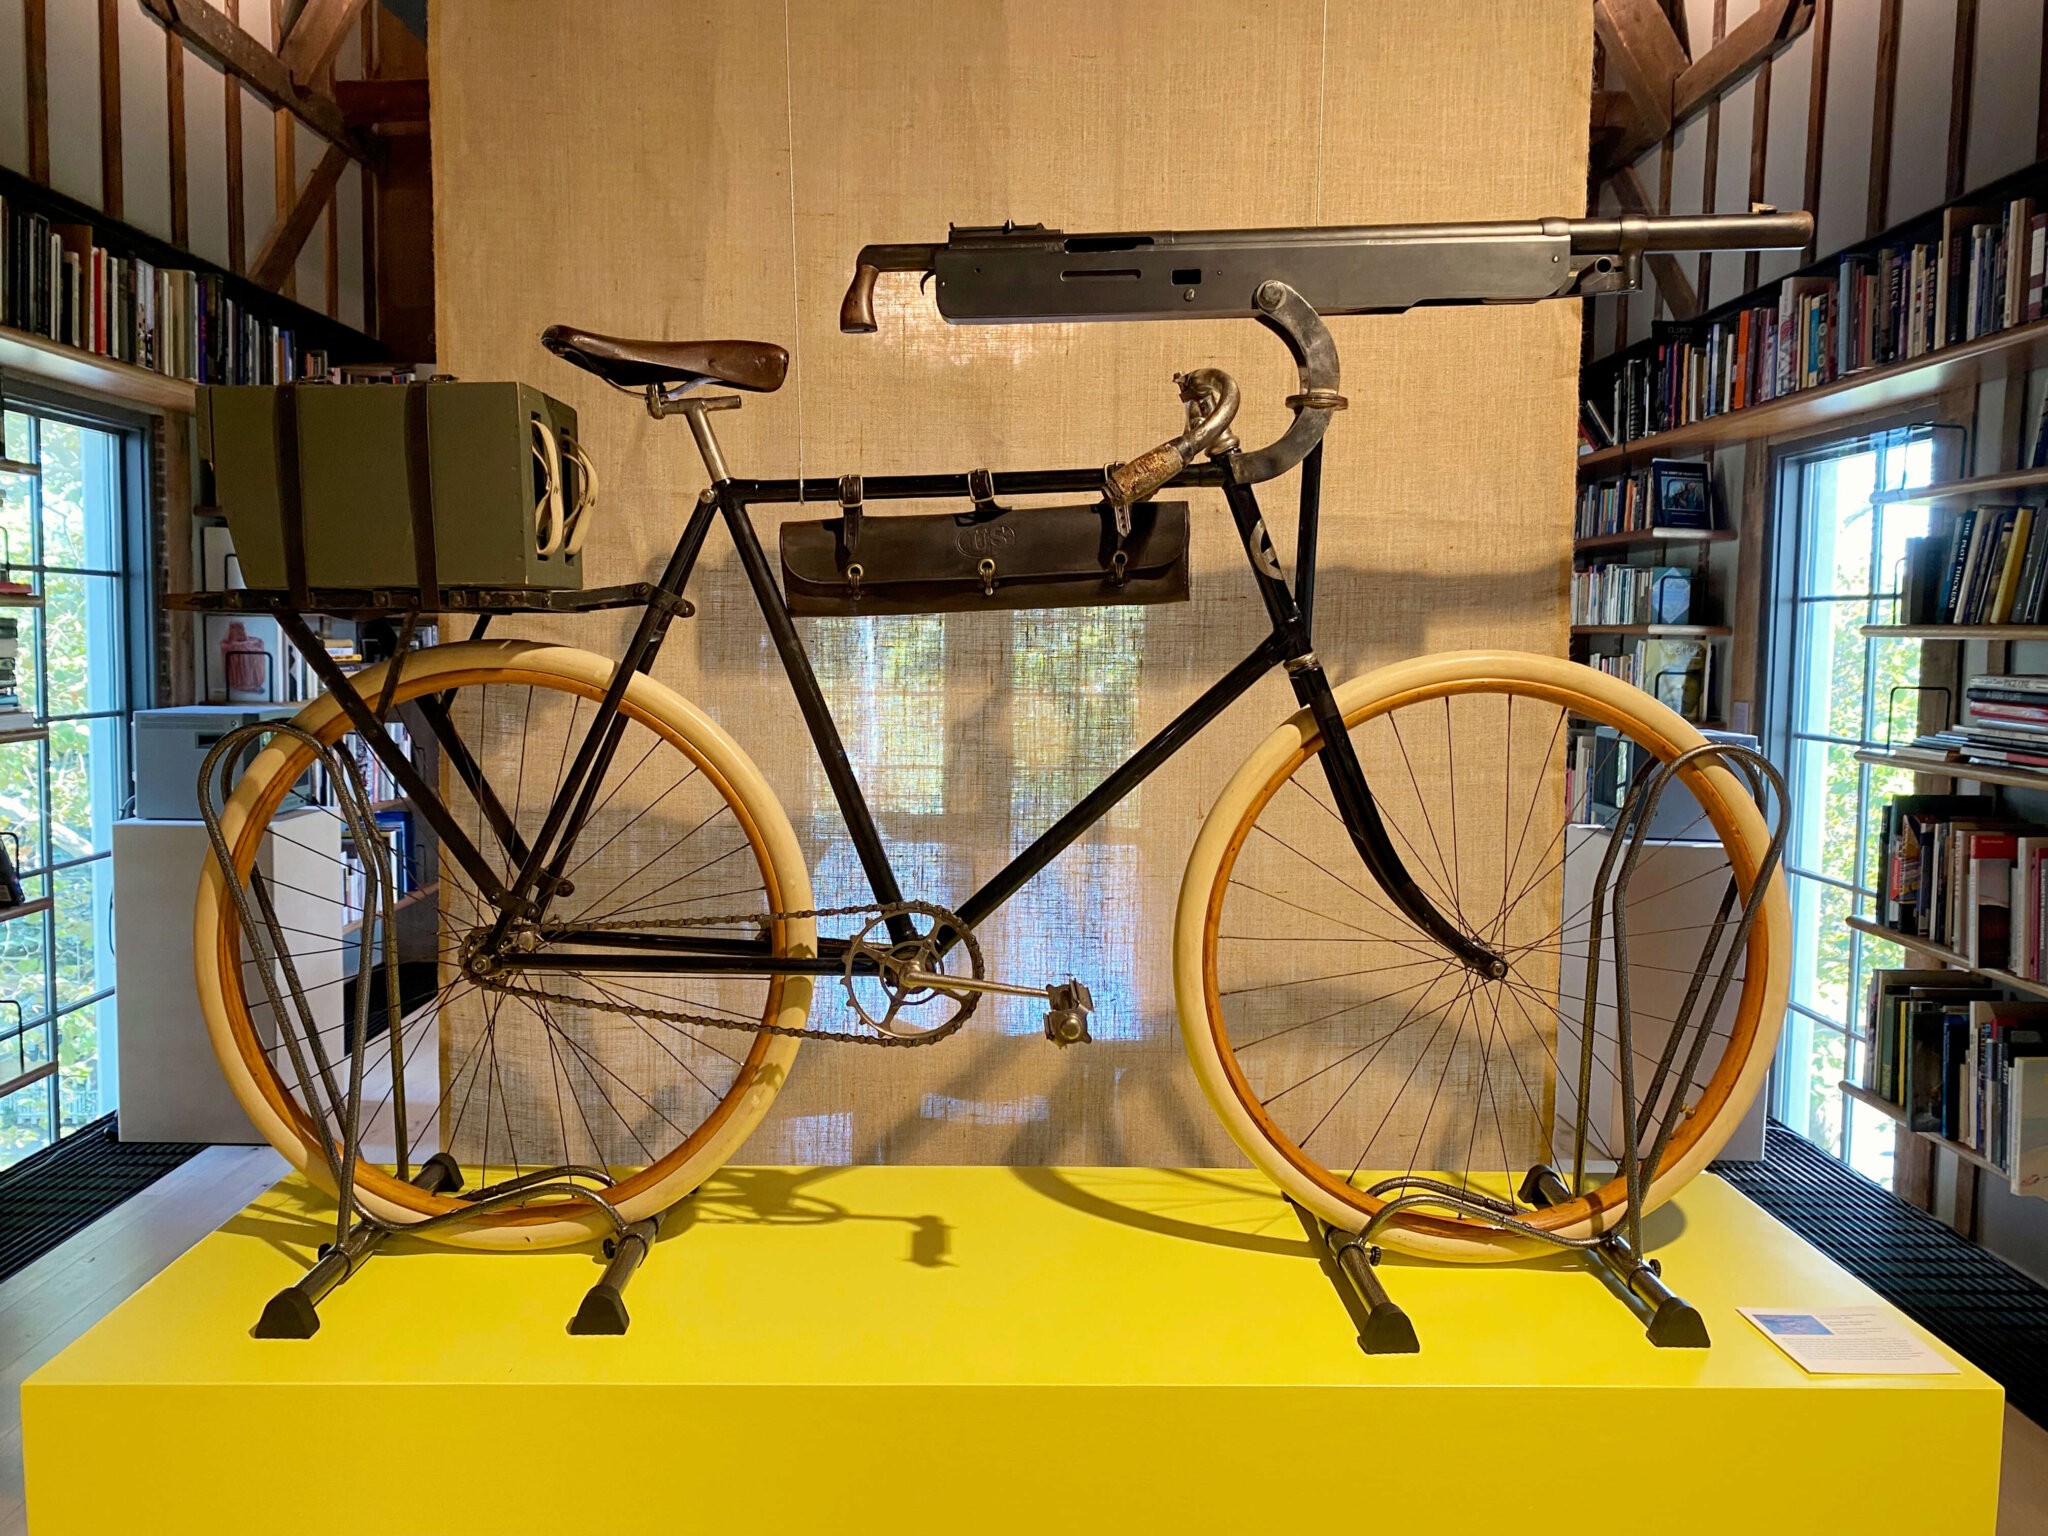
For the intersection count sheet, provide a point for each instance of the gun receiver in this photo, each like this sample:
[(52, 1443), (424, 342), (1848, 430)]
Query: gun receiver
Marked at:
[(1014, 273)]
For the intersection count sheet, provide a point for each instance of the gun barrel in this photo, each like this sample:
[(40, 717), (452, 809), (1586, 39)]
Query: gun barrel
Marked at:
[(1693, 232)]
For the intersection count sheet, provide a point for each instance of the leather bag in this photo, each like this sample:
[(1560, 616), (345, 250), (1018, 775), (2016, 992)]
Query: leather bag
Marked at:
[(990, 559)]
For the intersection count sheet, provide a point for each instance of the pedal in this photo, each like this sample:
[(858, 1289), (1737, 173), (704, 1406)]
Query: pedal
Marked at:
[(1066, 1021)]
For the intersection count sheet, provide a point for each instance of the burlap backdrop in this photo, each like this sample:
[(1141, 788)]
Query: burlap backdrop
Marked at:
[(650, 168)]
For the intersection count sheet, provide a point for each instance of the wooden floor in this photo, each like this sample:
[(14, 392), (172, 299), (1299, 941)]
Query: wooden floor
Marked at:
[(61, 1295), (65, 1292)]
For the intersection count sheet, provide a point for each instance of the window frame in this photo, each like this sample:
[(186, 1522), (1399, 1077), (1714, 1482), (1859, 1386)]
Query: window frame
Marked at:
[(135, 597)]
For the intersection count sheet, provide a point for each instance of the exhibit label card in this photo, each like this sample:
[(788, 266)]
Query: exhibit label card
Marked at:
[(1847, 1341)]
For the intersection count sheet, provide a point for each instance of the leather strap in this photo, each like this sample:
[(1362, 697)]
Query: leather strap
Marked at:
[(291, 510), (419, 481), (852, 488)]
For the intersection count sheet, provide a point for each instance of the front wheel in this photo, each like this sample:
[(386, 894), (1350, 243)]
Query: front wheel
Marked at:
[(1345, 1049)]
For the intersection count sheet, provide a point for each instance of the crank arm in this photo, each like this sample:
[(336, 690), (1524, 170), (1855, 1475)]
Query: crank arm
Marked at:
[(939, 982)]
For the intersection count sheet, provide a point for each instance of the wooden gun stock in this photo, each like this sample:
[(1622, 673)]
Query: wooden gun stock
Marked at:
[(857, 309)]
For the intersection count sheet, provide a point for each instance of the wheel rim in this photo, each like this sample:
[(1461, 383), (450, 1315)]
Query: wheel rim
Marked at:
[(1294, 1137), (610, 898)]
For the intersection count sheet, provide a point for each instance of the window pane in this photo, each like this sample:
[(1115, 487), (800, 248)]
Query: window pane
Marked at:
[(21, 963), (1820, 964), (1872, 1139), (1837, 524), (24, 1119), (80, 484), (86, 786), (85, 955), (1810, 1100), (1826, 808), (78, 1075), (1895, 698), (21, 803), (17, 498), (1829, 701), (82, 618)]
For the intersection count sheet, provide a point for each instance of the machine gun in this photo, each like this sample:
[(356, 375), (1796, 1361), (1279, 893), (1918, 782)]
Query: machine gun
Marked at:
[(1287, 279), (1011, 273)]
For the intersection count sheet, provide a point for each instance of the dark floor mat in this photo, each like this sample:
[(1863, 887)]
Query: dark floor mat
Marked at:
[(1991, 1314), (63, 1189)]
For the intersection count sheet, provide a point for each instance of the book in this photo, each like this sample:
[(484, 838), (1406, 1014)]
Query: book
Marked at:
[(2027, 1127)]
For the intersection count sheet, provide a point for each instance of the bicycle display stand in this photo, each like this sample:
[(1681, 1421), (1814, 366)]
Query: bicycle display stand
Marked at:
[(1350, 1260)]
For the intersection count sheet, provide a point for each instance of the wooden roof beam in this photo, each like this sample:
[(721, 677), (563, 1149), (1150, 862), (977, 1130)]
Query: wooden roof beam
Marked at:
[(315, 37), (1672, 282), (222, 40), (287, 237), (1699, 83), (1645, 52), (382, 103)]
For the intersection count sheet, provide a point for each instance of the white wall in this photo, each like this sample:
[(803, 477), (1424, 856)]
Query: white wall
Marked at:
[(72, 66)]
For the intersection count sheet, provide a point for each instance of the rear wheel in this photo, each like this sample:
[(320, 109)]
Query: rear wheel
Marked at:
[(1345, 1049), (684, 829)]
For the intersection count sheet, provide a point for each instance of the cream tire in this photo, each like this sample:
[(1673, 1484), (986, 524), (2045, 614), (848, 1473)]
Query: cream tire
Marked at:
[(264, 1099), (1736, 817)]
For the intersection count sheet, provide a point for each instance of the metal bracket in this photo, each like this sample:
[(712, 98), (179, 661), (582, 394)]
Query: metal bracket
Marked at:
[(293, 1312), (1294, 320), (1673, 1322), (1348, 1264)]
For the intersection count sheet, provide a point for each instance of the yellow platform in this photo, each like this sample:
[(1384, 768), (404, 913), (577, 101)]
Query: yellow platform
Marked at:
[(981, 1350)]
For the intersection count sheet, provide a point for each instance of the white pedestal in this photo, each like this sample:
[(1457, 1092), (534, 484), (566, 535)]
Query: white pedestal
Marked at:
[(171, 1088)]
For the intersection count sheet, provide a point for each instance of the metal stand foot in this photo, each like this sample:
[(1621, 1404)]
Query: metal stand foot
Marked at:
[(1674, 1323), (292, 1314), (604, 1305), (1383, 1328)]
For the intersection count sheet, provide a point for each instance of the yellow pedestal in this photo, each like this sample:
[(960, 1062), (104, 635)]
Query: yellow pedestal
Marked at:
[(987, 1349)]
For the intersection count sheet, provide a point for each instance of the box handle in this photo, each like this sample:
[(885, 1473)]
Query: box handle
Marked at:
[(547, 511)]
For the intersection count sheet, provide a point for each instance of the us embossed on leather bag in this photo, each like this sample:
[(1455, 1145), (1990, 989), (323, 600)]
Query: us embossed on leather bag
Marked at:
[(990, 557)]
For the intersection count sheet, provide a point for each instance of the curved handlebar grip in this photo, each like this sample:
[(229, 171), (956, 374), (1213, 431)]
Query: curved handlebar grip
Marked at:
[(857, 309), (1133, 481)]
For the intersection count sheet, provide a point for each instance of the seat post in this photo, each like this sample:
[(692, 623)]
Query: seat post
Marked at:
[(693, 408)]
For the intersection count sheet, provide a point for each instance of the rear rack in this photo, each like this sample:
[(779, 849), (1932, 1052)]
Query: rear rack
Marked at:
[(376, 602)]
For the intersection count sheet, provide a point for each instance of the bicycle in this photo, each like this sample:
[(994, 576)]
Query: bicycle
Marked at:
[(1344, 958)]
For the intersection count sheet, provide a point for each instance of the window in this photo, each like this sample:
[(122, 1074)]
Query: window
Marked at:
[(1838, 691), (68, 533)]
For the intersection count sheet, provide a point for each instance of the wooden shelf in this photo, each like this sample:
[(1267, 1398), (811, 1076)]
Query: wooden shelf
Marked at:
[(1658, 631), (1975, 773), (1964, 490), (26, 909), (19, 467), (38, 357), (1956, 631), (1947, 957), (21, 599), (10, 734), (1645, 538), (410, 898), (1871, 393), (1892, 1111), (402, 803)]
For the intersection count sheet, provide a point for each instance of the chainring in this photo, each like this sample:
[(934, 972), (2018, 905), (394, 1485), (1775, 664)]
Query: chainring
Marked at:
[(874, 912)]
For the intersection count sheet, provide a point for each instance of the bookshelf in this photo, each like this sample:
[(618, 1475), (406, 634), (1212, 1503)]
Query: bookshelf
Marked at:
[(25, 355), (1956, 632), (1972, 489), (1658, 631), (1651, 538), (1897, 1115), (1860, 396), (1974, 773), (81, 370), (1954, 959)]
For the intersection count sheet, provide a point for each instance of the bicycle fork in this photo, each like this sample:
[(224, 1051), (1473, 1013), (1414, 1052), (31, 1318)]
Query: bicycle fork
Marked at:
[(1346, 775)]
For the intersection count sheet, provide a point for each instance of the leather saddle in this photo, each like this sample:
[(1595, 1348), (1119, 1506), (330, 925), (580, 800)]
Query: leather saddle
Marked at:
[(756, 365)]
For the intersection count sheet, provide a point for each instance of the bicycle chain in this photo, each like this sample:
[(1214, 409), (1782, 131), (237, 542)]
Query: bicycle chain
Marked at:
[(872, 910)]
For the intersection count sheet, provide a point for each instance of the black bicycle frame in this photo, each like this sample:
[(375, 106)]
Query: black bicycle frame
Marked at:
[(1288, 643)]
